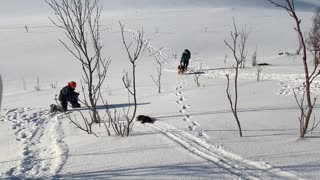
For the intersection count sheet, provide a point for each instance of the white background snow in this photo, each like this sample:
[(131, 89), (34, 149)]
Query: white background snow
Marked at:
[(195, 135)]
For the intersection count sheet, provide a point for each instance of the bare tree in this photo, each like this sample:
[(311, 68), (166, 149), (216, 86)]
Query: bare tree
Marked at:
[(242, 46), (254, 58), (1, 89), (238, 55), (80, 21), (298, 51), (54, 84), (313, 38), (259, 69), (37, 86), (197, 75), (157, 81), (306, 111), (27, 28), (133, 56)]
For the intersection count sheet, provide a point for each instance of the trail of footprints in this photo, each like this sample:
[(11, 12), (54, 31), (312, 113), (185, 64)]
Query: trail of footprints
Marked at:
[(183, 109), (32, 130)]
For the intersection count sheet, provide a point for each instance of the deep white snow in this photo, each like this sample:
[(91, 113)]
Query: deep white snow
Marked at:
[(195, 135)]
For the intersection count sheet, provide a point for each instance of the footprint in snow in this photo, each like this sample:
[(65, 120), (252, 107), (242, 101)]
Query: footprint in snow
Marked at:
[(180, 87), (203, 133), (185, 107), (179, 93), (195, 123), (192, 127), (187, 118)]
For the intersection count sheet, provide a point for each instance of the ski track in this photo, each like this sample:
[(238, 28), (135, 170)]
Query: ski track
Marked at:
[(243, 168), (42, 151)]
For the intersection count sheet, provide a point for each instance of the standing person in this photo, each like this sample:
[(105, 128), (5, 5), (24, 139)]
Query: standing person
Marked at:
[(67, 94), (186, 55)]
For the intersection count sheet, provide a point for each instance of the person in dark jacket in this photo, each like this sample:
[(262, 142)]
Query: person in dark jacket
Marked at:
[(186, 55), (67, 94)]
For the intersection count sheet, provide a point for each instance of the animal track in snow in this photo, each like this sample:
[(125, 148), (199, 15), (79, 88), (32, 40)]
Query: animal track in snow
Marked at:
[(203, 133), (195, 123), (179, 93), (180, 87), (185, 107), (187, 118), (192, 127)]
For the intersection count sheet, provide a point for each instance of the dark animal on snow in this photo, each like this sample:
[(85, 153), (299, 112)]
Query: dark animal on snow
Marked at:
[(144, 119)]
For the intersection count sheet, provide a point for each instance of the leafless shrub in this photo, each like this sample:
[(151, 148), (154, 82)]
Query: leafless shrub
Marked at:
[(314, 124), (298, 51), (26, 27), (133, 56), (37, 86), (239, 57), (127, 79), (225, 58), (197, 75), (259, 69), (254, 58), (54, 84), (109, 90), (242, 47), (313, 38), (157, 81), (80, 21), (305, 110)]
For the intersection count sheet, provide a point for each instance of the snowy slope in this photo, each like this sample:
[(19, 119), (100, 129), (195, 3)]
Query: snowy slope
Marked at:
[(195, 135)]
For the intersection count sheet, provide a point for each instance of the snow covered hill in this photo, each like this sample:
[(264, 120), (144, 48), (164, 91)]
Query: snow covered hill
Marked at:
[(195, 135)]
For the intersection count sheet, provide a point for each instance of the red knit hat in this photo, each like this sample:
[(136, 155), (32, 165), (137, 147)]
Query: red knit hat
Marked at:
[(72, 84)]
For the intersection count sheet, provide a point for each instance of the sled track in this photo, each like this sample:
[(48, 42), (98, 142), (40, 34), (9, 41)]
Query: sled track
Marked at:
[(243, 168), (39, 135)]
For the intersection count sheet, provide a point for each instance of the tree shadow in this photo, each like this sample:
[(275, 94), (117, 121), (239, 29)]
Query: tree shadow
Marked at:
[(172, 171), (112, 106), (225, 111)]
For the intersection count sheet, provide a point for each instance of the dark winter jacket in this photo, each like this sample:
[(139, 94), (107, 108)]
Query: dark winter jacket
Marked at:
[(186, 55), (67, 94)]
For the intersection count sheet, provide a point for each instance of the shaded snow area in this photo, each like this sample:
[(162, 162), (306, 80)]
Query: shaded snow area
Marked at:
[(195, 135)]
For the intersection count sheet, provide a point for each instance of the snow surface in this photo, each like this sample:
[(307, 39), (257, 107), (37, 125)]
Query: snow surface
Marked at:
[(195, 135)]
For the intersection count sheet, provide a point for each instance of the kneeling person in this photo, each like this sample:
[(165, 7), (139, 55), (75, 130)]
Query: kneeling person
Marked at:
[(67, 94)]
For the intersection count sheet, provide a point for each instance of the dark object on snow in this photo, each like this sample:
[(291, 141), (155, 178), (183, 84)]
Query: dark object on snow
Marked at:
[(264, 64), (67, 94), (284, 53), (144, 119), (186, 55), (54, 108)]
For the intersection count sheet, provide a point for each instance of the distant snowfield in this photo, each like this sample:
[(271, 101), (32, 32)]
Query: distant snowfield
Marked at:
[(195, 135)]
